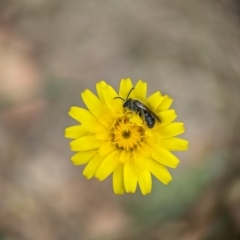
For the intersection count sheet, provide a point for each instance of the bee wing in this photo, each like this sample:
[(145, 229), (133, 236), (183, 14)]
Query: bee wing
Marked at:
[(153, 114), (145, 108)]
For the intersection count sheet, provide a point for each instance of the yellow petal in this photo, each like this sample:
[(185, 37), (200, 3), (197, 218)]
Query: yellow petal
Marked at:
[(85, 143), (148, 132), (99, 87), (167, 116), (129, 177), (125, 156), (125, 88), (92, 167), (118, 185), (109, 94), (154, 101), (83, 157), (159, 171), (170, 130), (165, 104), (164, 157), (107, 118), (81, 115), (93, 103), (146, 151), (140, 161), (136, 119), (109, 164), (145, 182), (152, 140), (174, 144), (75, 131), (99, 127), (90, 126), (140, 91), (105, 149), (103, 135)]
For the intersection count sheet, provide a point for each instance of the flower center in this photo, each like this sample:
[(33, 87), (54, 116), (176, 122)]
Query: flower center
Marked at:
[(127, 135)]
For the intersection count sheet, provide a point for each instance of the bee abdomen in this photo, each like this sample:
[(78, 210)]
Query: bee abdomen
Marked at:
[(150, 121)]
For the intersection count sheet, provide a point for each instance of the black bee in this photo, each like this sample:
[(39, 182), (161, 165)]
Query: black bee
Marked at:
[(143, 111)]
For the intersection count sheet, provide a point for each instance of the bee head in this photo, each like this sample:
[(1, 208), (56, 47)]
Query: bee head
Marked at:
[(127, 103)]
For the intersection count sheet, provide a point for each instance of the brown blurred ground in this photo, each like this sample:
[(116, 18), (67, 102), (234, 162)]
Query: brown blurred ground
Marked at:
[(52, 50)]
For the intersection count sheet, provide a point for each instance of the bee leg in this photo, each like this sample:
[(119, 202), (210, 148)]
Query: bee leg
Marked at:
[(142, 114)]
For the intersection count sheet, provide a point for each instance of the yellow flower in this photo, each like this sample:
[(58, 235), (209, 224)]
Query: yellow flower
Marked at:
[(115, 140)]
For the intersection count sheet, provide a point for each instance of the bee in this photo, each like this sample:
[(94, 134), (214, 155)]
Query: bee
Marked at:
[(143, 111)]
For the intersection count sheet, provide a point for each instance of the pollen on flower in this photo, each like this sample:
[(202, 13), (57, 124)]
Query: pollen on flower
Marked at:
[(125, 135), (114, 140)]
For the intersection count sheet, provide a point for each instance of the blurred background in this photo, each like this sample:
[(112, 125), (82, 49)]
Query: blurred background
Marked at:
[(51, 50)]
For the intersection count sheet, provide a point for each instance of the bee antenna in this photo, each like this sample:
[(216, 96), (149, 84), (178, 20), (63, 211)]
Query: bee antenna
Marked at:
[(120, 98), (129, 93)]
